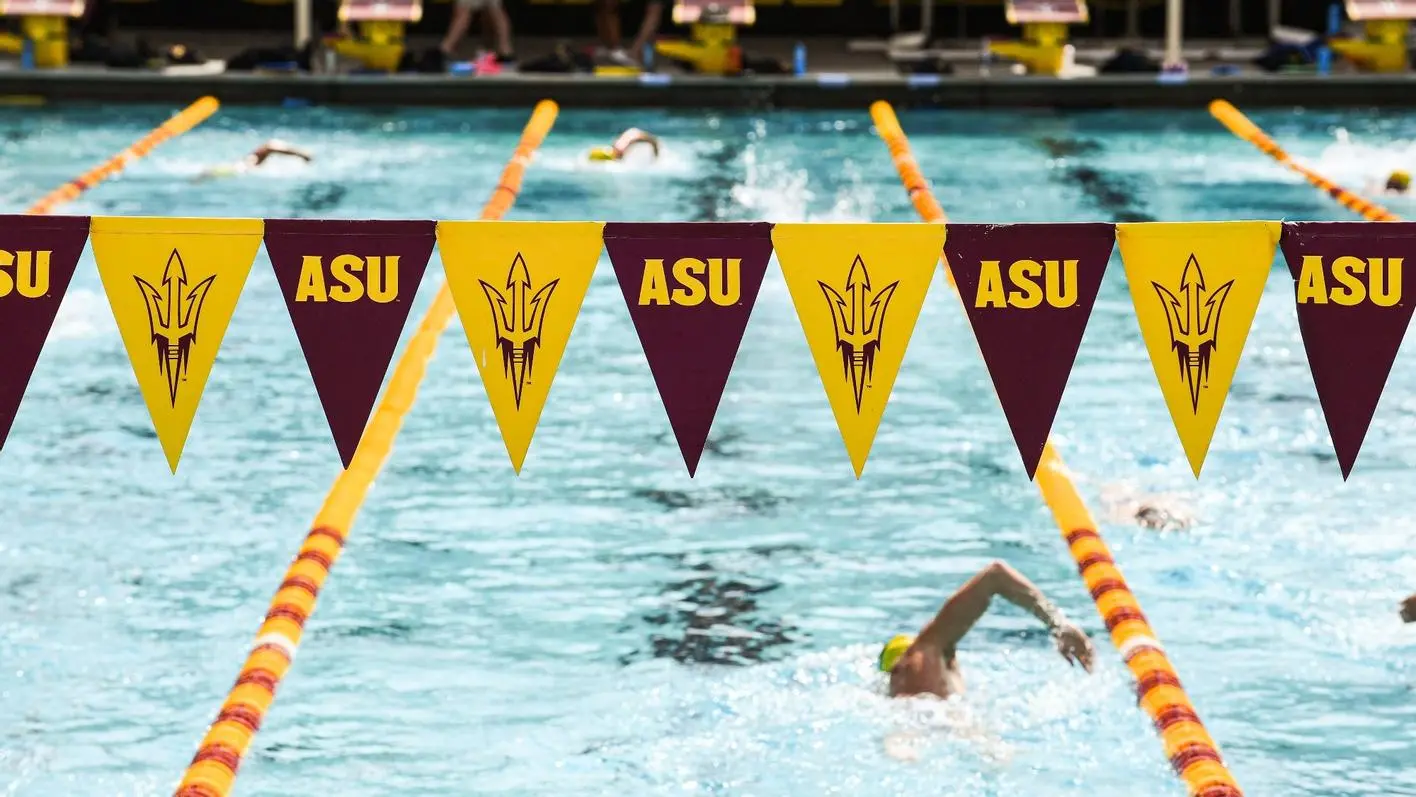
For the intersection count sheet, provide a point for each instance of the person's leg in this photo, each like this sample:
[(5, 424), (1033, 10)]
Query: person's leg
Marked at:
[(461, 20), (607, 23), (648, 29), (500, 25)]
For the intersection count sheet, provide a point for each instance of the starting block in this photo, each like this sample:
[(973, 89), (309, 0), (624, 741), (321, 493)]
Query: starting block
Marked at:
[(46, 24), (712, 47), (1384, 47), (1043, 49), (379, 42)]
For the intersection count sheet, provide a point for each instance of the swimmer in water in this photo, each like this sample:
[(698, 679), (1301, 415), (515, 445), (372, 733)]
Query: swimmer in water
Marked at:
[(1408, 610), (1398, 182), (928, 664), (627, 139), (1158, 513), (255, 160)]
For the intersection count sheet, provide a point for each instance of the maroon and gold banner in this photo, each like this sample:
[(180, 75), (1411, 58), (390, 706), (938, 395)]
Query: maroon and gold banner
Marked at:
[(37, 259), (1028, 290), (690, 289), (1348, 282), (349, 286)]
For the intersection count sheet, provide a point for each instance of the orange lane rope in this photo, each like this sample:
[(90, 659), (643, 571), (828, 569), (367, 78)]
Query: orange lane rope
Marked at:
[(213, 769), (1241, 126), (1193, 754), (190, 117)]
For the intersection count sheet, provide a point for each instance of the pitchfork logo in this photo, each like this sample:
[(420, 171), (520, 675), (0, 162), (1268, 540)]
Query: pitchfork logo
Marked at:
[(859, 317), (1194, 325), (518, 316), (173, 315)]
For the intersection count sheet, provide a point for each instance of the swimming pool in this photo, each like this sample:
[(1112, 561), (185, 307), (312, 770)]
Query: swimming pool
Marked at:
[(604, 625)]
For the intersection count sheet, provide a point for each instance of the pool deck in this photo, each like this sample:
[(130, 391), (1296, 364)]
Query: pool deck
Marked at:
[(845, 80)]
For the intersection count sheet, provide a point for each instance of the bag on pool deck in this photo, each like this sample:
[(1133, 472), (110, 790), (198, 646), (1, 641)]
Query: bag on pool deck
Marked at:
[(1129, 61)]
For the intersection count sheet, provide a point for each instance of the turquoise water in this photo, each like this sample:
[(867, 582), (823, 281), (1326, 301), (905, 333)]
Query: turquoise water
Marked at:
[(604, 625)]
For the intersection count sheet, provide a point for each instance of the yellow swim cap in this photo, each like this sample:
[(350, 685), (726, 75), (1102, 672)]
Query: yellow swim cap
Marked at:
[(604, 154), (1399, 180), (893, 650)]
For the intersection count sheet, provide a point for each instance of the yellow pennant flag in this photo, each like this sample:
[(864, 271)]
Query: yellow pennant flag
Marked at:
[(518, 286), (858, 289), (173, 285), (1196, 287)]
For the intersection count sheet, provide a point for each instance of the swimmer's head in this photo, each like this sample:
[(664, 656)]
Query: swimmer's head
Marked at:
[(893, 650), (1398, 181), (604, 154)]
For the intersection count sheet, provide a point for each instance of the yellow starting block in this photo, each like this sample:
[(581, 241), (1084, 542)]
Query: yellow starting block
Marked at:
[(1044, 44), (712, 47), (381, 23), (46, 24), (1384, 47)]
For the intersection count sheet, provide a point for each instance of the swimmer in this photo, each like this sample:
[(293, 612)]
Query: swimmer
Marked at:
[(1398, 182), (927, 664), (255, 160), (627, 139), (1157, 513), (1408, 610)]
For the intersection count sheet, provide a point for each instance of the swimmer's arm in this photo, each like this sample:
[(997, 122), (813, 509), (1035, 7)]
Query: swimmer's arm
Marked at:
[(968, 604), (266, 150)]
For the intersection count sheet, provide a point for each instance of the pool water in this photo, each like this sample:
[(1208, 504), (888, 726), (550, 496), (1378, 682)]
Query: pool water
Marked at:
[(604, 625)]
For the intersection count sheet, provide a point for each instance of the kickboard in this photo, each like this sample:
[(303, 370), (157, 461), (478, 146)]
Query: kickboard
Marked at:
[(380, 10), (737, 12), (42, 8), (1374, 10), (1067, 12)]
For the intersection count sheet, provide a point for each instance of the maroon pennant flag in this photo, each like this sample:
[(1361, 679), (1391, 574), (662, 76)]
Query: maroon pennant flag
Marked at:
[(690, 289), (1348, 280), (1028, 290), (349, 286), (38, 255)]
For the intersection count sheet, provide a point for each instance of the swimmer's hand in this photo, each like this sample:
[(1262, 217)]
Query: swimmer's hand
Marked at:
[(1408, 610), (1075, 646)]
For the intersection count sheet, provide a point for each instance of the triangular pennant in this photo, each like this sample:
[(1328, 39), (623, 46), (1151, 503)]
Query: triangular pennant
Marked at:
[(173, 285), (1028, 290), (858, 290), (690, 289), (518, 286), (349, 286), (1196, 287), (1348, 279), (37, 259)]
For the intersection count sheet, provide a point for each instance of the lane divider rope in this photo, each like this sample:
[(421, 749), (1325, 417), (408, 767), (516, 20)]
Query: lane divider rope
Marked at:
[(1193, 754), (1241, 126), (212, 772), (188, 118)]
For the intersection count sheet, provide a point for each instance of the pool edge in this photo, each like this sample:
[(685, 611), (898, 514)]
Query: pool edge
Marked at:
[(812, 92)]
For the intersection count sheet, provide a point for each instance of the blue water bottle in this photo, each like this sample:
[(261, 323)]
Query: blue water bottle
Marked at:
[(1325, 52), (27, 54), (648, 57), (799, 59)]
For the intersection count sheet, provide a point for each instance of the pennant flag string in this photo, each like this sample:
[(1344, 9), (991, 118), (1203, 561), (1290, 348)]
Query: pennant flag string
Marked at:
[(1193, 754), (212, 772)]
